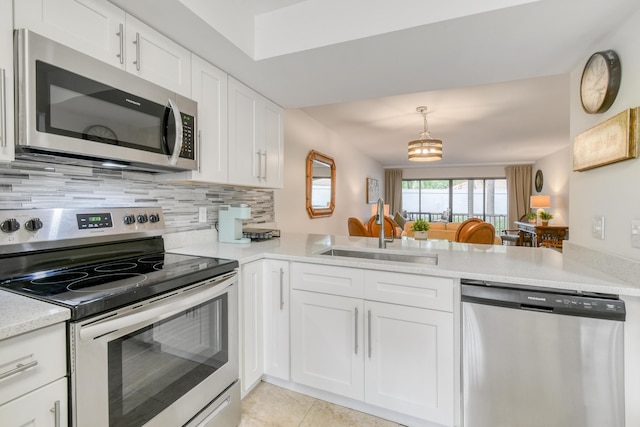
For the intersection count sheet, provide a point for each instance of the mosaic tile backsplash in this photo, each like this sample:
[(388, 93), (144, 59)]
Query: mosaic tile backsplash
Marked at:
[(25, 184)]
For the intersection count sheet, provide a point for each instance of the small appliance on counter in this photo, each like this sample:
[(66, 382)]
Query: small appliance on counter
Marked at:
[(230, 223), (260, 234)]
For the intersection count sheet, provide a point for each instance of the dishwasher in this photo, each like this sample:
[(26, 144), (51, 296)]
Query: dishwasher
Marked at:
[(540, 357)]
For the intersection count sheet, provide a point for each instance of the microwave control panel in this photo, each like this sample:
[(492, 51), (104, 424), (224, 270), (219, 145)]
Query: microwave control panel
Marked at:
[(188, 130)]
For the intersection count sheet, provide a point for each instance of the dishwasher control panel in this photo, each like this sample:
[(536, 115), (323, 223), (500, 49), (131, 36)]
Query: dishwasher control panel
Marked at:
[(567, 302)]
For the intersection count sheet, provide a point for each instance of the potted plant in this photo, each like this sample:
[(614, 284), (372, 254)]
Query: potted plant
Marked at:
[(531, 217), (545, 217), (420, 228)]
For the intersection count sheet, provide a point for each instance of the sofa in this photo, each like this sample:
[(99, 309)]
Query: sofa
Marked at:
[(441, 230)]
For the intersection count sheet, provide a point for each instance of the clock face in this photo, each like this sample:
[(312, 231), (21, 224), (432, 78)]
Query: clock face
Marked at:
[(600, 82)]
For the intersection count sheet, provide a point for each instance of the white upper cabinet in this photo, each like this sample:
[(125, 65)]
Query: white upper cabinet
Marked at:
[(255, 138), (103, 31), (154, 57), (92, 27), (7, 142)]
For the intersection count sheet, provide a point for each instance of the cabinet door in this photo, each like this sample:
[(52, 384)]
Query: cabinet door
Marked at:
[(210, 92), (44, 407), (154, 57), (409, 363), (251, 315), (243, 154), (7, 142), (276, 318), (94, 27), (273, 149), (326, 343)]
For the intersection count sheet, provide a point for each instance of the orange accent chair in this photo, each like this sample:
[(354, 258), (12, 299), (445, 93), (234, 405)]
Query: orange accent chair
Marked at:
[(466, 224), (390, 227), (477, 232), (357, 227)]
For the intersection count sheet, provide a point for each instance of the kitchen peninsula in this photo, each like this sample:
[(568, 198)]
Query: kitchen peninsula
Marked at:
[(296, 302)]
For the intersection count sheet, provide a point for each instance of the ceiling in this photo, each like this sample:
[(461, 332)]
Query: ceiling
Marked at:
[(493, 76)]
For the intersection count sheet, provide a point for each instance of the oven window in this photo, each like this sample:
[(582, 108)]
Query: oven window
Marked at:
[(153, 367)]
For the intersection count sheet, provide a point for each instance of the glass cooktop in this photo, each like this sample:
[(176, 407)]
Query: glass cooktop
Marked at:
[(102, 286)]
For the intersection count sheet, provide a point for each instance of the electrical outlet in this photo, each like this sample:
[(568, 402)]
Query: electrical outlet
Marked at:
[(597, 227), (635, 233), (202, 214)]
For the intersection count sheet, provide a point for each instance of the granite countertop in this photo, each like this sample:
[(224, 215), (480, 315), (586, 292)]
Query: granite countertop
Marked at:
[(20, 314), (510, 264)]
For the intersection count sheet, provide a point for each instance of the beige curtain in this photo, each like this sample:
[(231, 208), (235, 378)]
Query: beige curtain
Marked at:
[(518, 191), (393, 190)]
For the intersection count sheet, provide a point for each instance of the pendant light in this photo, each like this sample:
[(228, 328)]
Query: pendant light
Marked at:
[(425, 148)]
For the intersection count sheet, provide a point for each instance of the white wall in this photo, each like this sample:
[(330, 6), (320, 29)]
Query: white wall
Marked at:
[(556, 168), (301, 135), (613, 190)]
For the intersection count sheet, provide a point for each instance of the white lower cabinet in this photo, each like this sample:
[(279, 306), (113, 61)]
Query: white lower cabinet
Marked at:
[(276, 318), (251, 315), (33, 383), (392, 355), (327, 343), (45, 407)]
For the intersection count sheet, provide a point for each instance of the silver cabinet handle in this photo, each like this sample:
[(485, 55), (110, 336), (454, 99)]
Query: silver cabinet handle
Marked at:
[(281, 289), (120, 35), (3, 116), (177, 145), (259, 153), (265, 165), (137, 43), (56, 413), (356, 322), (19, 368), (369, 332)]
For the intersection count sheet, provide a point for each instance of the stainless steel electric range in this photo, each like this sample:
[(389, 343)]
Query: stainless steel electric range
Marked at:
[(153, 336)]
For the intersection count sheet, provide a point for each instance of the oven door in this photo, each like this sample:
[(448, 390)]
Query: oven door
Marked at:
[(158, 363)]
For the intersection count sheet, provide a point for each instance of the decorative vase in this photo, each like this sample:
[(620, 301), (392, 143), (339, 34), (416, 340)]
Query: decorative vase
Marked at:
[(532, 221), (545, 223), (420, 235)]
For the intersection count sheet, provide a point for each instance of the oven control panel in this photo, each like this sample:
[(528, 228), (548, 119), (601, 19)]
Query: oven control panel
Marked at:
[(60, 226)]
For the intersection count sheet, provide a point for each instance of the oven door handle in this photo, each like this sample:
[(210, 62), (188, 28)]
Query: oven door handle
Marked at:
[(157, 310)]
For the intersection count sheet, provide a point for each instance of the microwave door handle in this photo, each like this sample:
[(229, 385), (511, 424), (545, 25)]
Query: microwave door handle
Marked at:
[(177, 145)]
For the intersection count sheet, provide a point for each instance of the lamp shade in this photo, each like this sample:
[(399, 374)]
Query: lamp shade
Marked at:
[(540, 202), (374, 210)]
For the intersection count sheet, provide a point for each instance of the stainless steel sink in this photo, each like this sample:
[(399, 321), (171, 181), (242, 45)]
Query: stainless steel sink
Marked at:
[(429, 259)]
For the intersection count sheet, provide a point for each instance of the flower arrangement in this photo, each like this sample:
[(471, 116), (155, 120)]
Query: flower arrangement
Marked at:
[(531, 217)]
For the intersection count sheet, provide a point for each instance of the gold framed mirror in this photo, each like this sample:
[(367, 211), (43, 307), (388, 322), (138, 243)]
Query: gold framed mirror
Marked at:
[(321, 185)]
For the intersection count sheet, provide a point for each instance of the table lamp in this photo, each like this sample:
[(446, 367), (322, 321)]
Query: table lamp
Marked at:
[(541, 203)]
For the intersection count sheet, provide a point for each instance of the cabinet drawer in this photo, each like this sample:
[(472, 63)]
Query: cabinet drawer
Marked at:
[(39, 408), (328, 279), (409, 289), (44, 348)]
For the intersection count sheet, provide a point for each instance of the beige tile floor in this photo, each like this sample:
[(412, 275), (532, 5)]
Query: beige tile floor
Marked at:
[(271, 406)]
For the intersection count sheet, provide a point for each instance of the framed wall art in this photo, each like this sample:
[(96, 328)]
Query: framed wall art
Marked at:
[(611, 141), (373, 191)]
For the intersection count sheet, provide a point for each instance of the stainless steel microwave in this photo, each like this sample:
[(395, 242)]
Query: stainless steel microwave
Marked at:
[(73, 108)]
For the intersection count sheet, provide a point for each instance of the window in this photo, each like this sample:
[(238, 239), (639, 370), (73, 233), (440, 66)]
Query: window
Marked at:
[(456, 200)]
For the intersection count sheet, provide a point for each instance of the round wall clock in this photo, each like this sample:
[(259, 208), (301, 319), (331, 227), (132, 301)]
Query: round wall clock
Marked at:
[(539, 181), (600, 81)]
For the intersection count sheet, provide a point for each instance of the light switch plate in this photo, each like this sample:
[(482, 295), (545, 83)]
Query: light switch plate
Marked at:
[(597, 227), (635, 233), (202, 214)]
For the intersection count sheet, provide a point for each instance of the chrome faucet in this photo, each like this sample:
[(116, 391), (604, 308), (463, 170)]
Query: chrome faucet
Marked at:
[(382, 241)]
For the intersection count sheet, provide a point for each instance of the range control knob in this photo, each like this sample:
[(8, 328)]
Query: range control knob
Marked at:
[(34, 224), (10, 225), (142, 218), (154, 218), (129, 219)]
